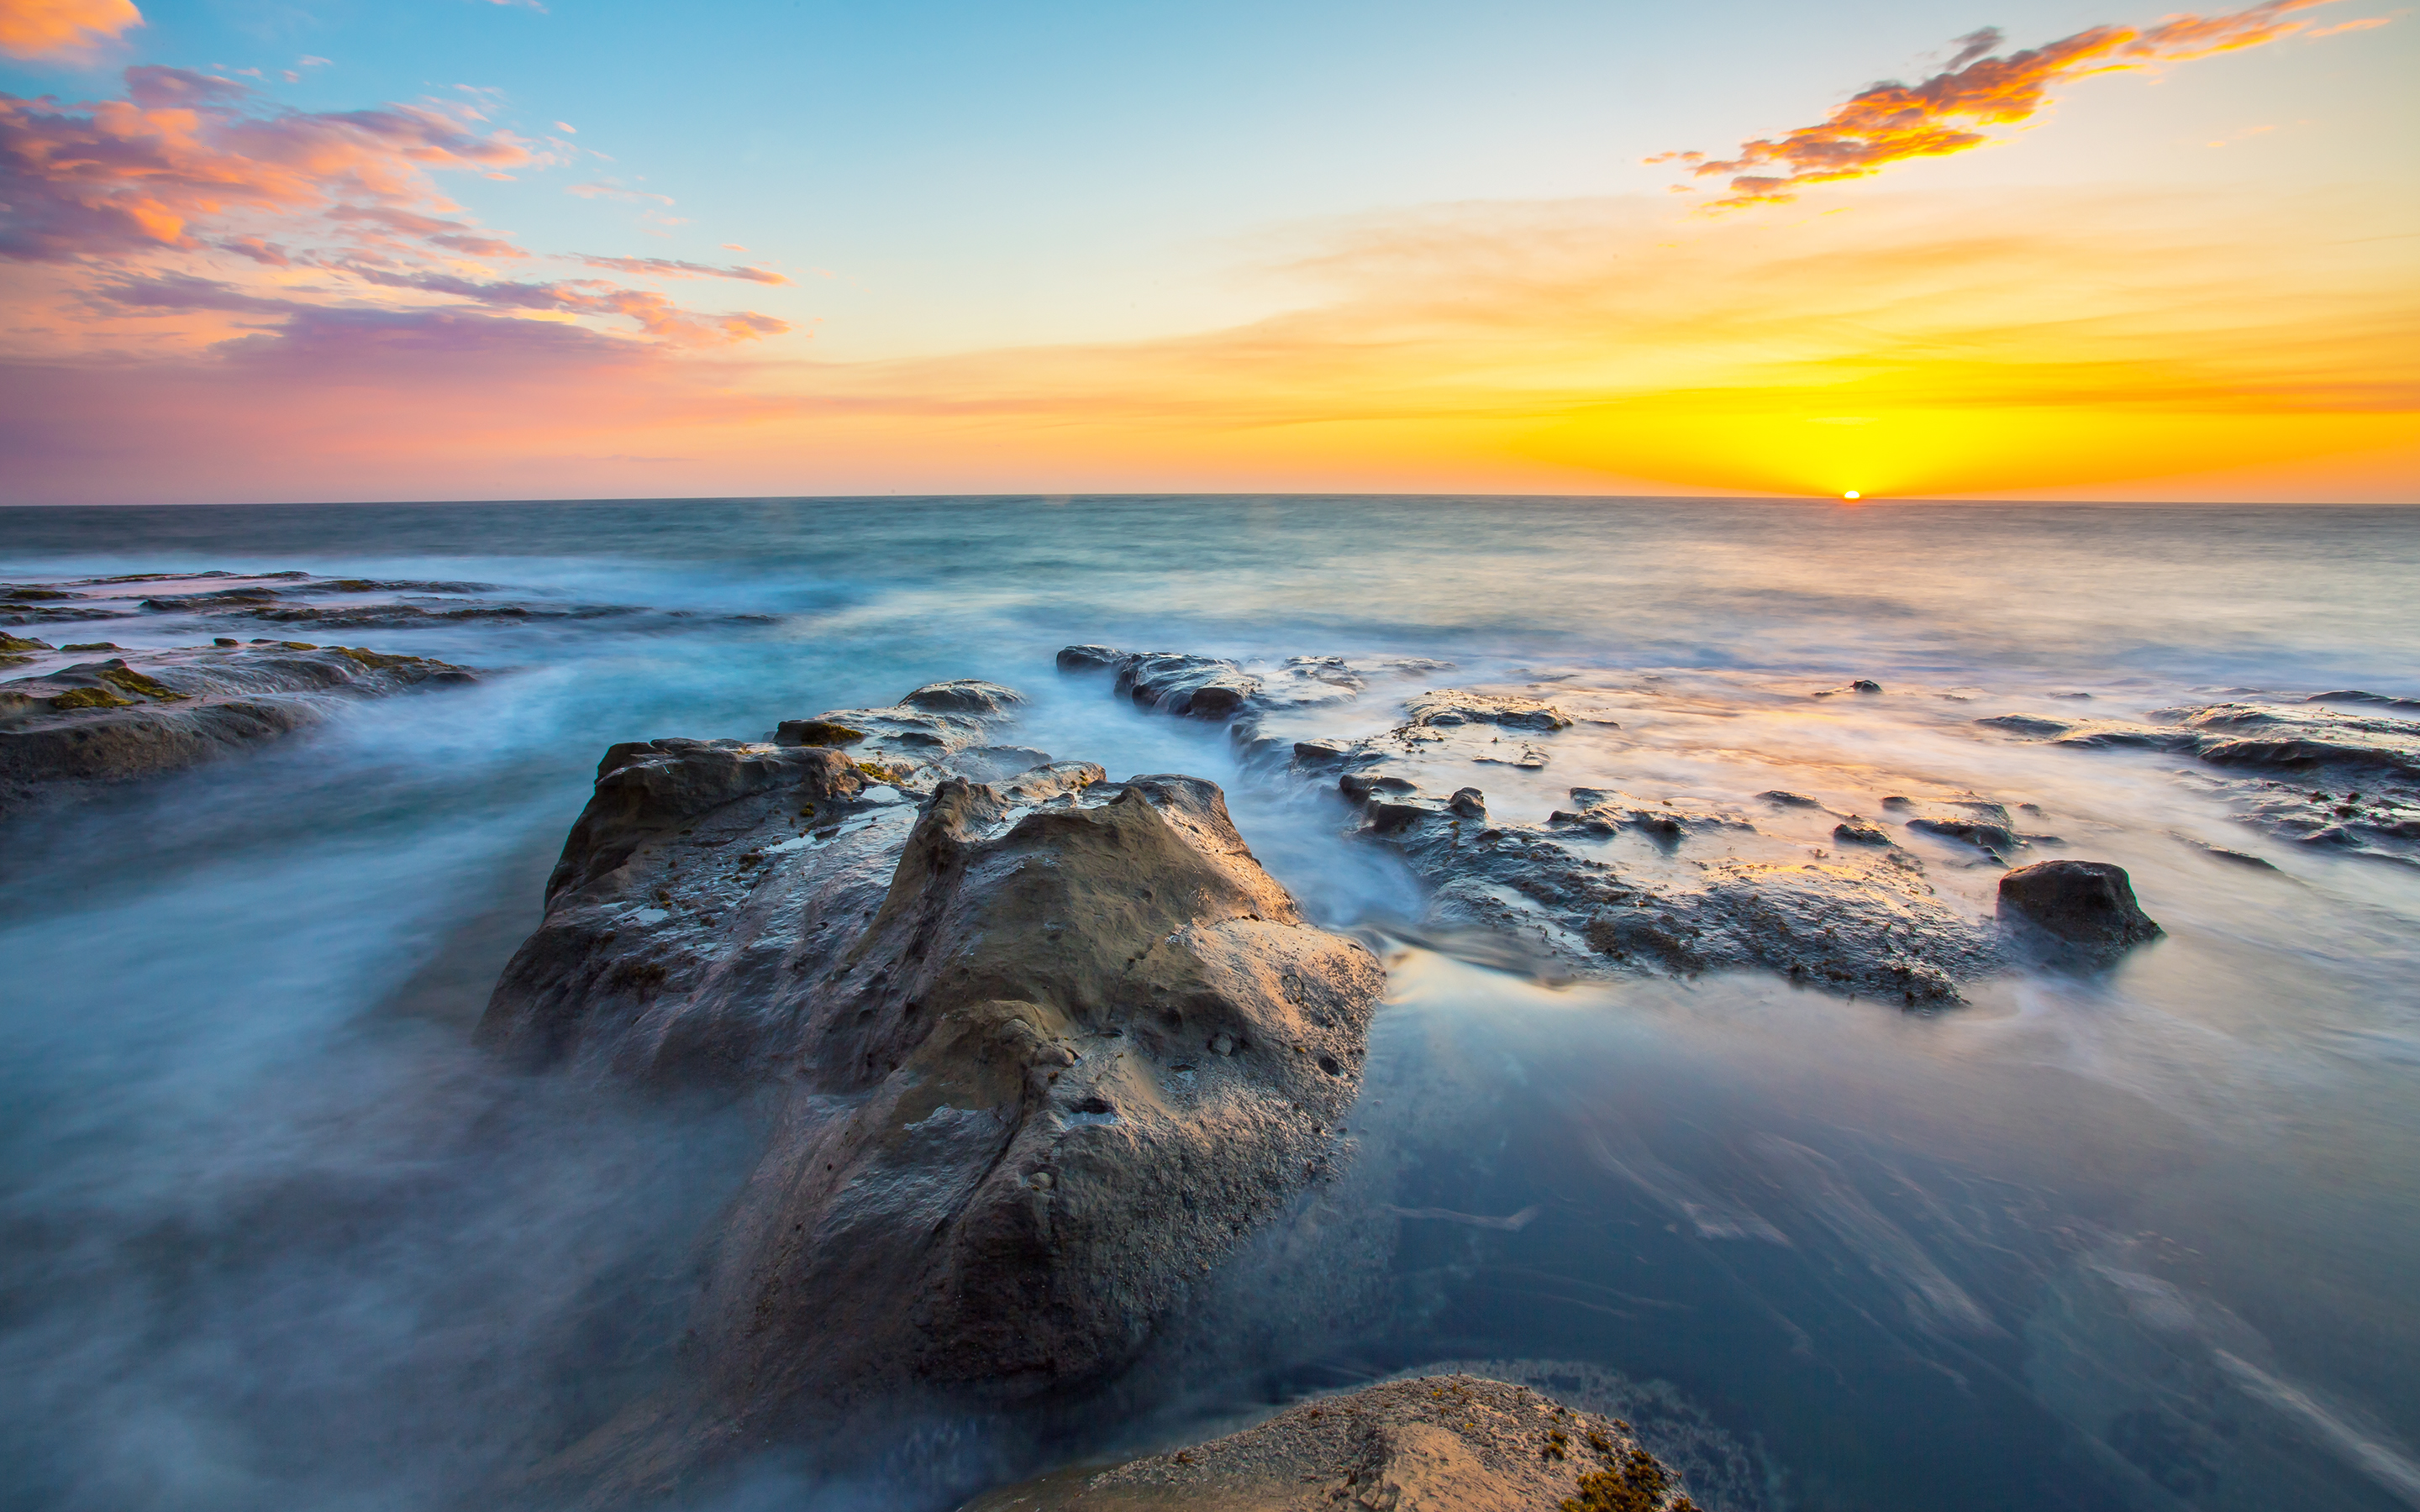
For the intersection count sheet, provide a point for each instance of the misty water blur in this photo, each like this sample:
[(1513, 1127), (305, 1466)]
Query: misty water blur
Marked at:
[(274, 1235)]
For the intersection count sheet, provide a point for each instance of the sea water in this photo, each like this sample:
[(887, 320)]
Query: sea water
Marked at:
[(273, 1234)]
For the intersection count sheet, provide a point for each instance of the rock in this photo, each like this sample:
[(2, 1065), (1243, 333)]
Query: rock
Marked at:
[(2255, 750), (1789, 801), (1454, 707), (1981, 834), (994, 763), (1206, 687), (18, 642), (2086, 905), (1848, 924), (1434, 1444), (153, 712), (816, 732), (965, 696), (1037, 1054), (1089, 659), (1855, 831), (1865, 685)]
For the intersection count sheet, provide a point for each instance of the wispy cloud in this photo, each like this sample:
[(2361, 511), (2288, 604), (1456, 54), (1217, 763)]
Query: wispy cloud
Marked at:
[(63, 29), (1953, 110), (675, 268)]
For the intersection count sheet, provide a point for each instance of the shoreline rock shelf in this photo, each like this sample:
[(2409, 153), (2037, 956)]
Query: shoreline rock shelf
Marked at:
[(142, 714), (2347, 778), (1041, 1049), (1433, 1443), (1713, 891)]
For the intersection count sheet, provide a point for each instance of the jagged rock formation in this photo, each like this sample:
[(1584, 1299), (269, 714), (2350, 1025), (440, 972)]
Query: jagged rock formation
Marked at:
[(1434, 1444), (1044, 1048), (144, 713), (2306, 771)]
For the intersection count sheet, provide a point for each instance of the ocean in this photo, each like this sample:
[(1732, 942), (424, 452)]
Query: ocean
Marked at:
[(277, 1235)]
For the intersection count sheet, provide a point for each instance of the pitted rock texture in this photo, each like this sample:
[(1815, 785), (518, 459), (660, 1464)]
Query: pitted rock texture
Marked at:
[(2308, 771), (148, 712), (1043, 1050), (1433, 1443)]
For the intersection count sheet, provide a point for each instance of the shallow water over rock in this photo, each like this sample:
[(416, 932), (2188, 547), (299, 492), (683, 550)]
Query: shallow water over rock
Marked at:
[(2124, 1235)]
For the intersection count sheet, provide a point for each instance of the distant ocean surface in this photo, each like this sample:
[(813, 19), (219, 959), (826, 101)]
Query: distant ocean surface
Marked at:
[(272, 1234)]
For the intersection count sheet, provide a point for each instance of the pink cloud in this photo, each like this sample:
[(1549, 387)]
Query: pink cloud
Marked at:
[(138, 202), (1891, 122), (63, 29), (673, 267)]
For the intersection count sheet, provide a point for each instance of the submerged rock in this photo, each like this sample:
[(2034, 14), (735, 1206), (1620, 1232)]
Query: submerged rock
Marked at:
[(1042, 1051), (2350, 781), (147, 713), (2088, 905), (1433, 1443)]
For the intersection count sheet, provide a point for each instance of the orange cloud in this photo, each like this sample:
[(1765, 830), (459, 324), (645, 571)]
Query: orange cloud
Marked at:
[(2002, 342), (1892, 122), (62, 28)]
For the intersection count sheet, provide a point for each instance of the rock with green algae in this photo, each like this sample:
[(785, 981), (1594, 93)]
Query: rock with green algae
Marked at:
[(1431, 1444), (145, 713)]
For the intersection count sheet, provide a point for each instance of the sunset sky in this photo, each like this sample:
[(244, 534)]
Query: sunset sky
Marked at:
[(323, 249)]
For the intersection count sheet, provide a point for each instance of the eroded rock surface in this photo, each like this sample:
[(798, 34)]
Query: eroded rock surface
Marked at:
[(140, 713), (1720, 898), (2338, 770), (1044, 1049), (1433, 1443)]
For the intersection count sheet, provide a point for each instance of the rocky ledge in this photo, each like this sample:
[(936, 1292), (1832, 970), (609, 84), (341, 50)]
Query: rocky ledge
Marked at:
[(1434, 1444), (142, 713), (1855, 916), (1043, 1049), (308, 602), (2338, 770)]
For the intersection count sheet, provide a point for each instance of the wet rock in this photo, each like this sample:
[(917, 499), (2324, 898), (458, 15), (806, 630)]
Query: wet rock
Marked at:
[(1980, 833), (1433, 1443), (1089, 659), (965, 695), (1205, 688), (1040, 1049), (1547, 893), (2268, 759), (1789, 801), (1455, 707), (1855, 831), (149, 713), (2088, 905), (816, 732), (1865, 685), (994, 763)]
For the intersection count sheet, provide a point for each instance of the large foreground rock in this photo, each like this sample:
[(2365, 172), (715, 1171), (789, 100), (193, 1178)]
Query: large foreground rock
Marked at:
[(142, 712), (1436, 1444), (1043, 1049)]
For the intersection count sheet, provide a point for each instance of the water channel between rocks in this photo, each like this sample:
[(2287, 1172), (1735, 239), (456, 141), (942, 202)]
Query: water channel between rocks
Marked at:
[(276, 1233)]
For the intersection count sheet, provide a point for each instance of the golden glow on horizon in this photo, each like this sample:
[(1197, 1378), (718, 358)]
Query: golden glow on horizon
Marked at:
[(1852, 496)]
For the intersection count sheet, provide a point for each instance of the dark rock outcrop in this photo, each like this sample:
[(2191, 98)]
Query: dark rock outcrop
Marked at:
[(2087, 907), (1043, 1050), (1433, 1443), (147, 713)]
